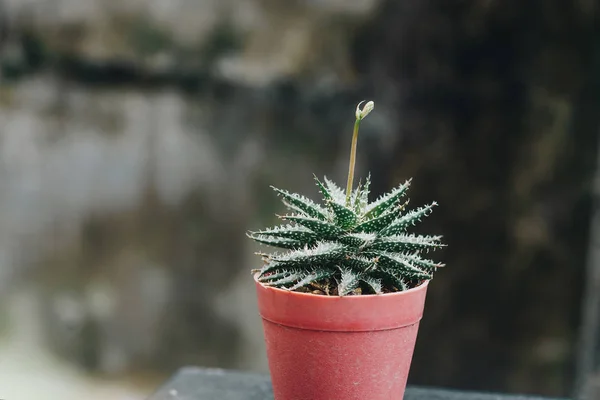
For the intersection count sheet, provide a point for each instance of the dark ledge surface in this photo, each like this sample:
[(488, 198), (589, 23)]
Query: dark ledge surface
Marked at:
[(191, 383)]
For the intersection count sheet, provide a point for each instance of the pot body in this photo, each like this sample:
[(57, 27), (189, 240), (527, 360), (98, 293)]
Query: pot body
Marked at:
[(330, 347)]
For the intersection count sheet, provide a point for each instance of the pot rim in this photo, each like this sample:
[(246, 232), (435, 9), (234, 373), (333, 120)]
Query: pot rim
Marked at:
[(357, 313), (421, 286)]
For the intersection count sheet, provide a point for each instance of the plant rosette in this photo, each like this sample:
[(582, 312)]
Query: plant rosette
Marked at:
[(342, 299)]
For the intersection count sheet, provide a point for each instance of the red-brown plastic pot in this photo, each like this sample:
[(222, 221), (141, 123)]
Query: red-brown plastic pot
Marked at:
[(340, 348)]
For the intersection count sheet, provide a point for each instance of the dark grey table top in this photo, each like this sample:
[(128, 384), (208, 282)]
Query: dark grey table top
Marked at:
[(193, 383)]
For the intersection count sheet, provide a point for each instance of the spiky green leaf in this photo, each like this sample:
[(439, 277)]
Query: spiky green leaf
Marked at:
[(358, 240), (360, 196), (313, 277), (271, 267), (377, 224), (387, 201), (419, 262), (392, 279), (288, 232), (288, 279), (404, 242), (327, 195), (322, 254), (283, 243), (359, 263), (338, 195), (323, 229), (344, 217), (349, 281), (273, 276), (408, 274), (301, 204), (354, 196), (402, 266), (410, 218), (372, 283), (362, 201)]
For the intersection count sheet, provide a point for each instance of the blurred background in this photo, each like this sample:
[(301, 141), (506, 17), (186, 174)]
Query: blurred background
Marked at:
[(138, 140)]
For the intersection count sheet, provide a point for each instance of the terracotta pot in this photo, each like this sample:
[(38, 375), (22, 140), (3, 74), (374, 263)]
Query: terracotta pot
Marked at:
[(340, 348)]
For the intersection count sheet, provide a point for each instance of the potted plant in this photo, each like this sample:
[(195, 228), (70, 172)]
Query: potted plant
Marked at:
[(341, 304)]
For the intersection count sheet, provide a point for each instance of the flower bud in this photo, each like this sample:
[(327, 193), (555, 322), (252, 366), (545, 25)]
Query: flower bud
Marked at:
[(361, 114)]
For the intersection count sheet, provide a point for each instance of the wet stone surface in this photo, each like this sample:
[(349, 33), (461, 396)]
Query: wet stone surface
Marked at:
[(193, 383)]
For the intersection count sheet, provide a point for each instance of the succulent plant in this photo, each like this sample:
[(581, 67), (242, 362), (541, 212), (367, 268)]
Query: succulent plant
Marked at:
[(348, 245)]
